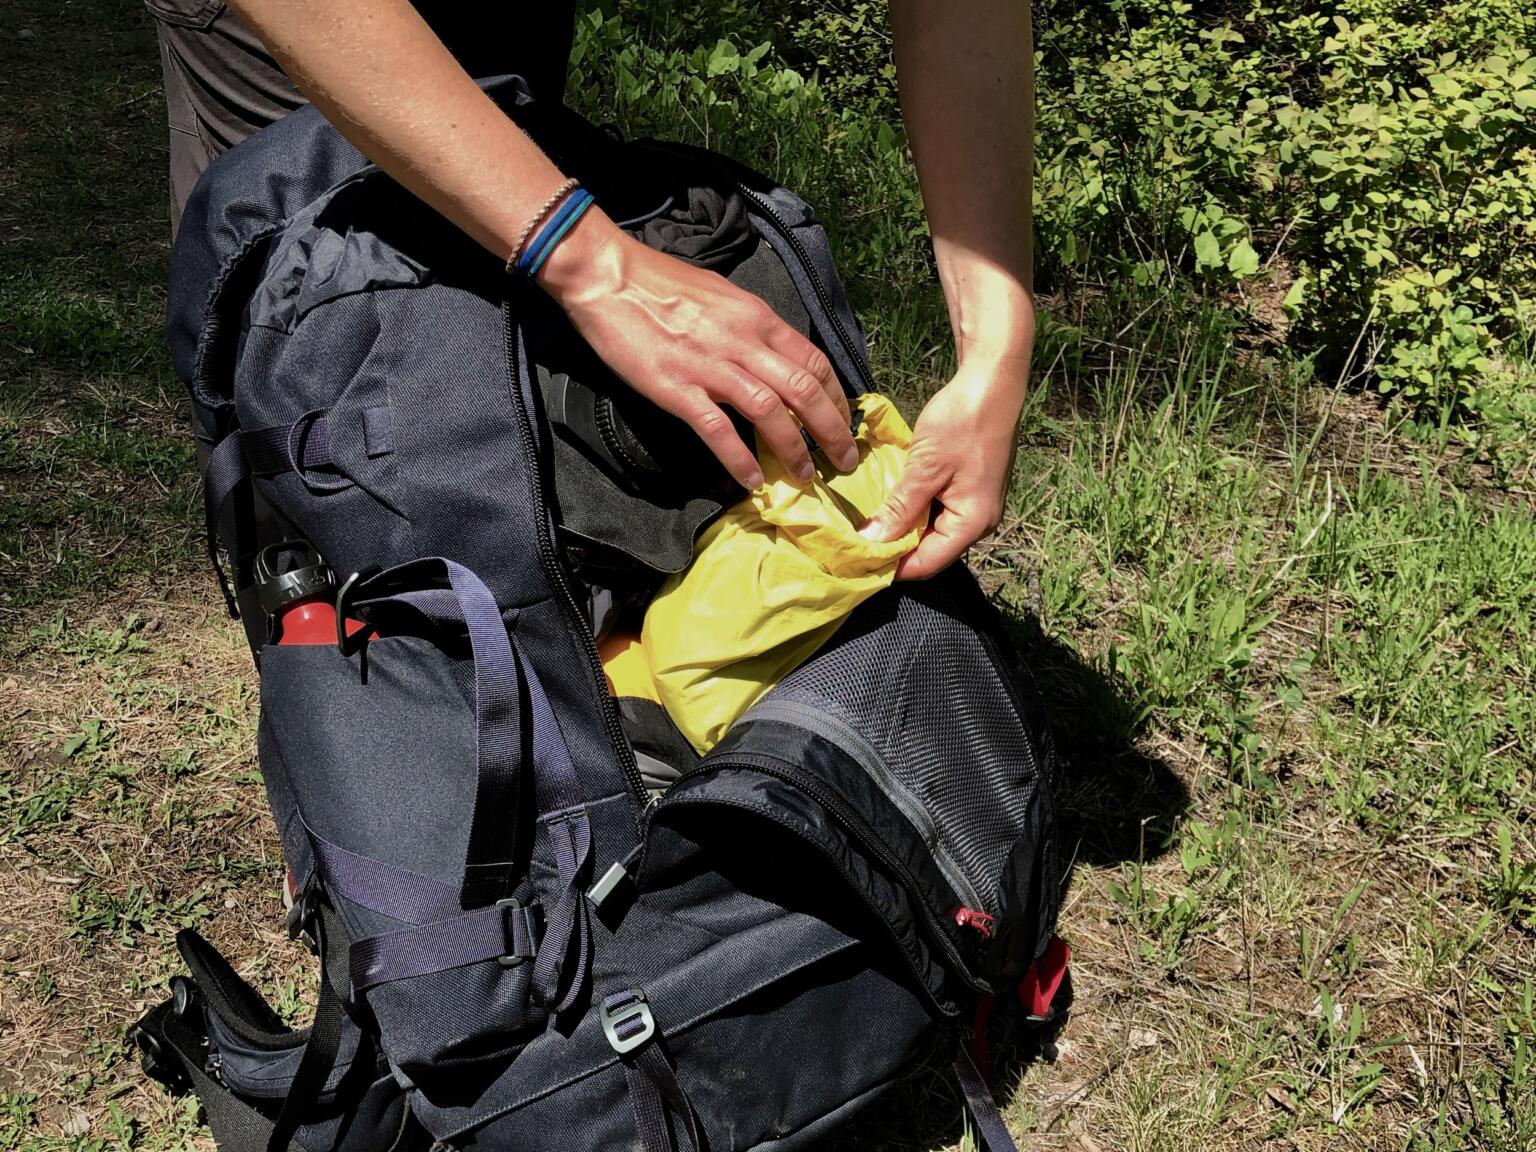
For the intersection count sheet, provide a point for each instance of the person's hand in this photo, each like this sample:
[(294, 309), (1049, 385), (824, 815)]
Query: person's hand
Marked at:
[(957, 468), (690, 341)]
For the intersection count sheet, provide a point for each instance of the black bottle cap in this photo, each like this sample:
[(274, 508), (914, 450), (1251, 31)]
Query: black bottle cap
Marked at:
[(306, 575)]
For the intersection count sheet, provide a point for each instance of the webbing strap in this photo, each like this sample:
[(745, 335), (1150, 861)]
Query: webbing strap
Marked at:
[(397, 892), (654, 1089), (306, 445), (568, 942), (298, 447), (224, 473), (983, 1110), (503, 932), (324, 1038), (491, 854), (505, 683)]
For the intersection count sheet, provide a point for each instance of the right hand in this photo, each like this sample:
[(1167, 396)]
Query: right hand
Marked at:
[(690, 341)]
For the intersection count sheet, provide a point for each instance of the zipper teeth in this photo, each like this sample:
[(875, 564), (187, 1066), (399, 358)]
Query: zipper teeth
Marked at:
[(822, 296), (852, 741), (834, 804), (556, 574)]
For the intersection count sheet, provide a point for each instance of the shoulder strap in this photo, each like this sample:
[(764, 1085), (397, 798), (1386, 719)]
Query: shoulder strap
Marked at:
[(324, 1043), (170, 1043)]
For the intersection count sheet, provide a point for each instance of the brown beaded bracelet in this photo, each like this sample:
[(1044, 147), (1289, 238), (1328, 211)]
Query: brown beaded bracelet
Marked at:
[(549, 205)]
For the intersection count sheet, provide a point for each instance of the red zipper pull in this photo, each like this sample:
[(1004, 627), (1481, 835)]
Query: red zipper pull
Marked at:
[(971, 918)]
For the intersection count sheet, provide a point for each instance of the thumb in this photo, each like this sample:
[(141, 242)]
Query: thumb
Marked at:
[(905, 508)]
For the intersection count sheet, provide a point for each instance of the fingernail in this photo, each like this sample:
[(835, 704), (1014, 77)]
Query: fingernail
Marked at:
[(873, 530), (805, 470), (849, 459), (755, 480)]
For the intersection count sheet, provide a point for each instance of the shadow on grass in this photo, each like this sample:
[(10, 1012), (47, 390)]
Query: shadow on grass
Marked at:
[(1114, 802)]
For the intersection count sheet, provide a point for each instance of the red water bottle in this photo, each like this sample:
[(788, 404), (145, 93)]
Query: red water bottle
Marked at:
[(300, 600)]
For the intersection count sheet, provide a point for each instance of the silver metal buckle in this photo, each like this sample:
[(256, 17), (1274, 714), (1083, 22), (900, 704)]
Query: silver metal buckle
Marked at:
[(635, 1010)]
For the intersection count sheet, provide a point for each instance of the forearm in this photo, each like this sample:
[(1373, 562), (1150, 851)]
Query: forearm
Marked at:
[(386, 81), (966, 72)]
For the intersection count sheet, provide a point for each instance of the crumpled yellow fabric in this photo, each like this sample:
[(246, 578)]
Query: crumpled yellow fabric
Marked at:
[(772, 579)]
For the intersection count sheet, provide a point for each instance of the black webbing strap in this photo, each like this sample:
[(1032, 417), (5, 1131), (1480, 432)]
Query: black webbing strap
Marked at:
[(298, 447), (324, 1034), (168, 1038), (653, 1085), (653, 1090), (989, 1121)]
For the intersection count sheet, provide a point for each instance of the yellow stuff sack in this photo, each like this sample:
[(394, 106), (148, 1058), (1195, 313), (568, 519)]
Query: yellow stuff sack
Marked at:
[(771, 580)]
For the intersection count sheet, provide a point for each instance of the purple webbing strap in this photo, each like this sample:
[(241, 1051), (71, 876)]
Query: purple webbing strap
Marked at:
[(504, 678), (501, 932), (489, 857), (567, 939), (396, 892)]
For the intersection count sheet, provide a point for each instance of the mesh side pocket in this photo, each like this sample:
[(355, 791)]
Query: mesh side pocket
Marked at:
[(913, 676)]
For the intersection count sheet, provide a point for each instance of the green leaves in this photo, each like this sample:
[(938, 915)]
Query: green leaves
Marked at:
[(1207, 250), (1351, 148), (1243, 260)]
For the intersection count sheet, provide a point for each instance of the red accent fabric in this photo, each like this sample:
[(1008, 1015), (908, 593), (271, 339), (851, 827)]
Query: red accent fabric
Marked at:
[(1043, 980)]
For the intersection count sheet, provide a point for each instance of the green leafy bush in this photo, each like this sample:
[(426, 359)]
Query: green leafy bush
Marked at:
[(1391, 180), (1370, 164)]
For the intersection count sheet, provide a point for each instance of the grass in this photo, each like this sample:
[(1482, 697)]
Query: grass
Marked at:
[(1289, 651)]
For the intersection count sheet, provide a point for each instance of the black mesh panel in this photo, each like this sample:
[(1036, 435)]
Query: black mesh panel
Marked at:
[(917, 681)]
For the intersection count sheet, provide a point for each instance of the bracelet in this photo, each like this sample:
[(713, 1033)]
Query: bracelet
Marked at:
[(544, 210), (554, 231)]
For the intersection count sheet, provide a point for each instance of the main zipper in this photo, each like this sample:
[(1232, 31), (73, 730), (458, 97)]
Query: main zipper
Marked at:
[(823, 297), (771, 214), (556, 572)]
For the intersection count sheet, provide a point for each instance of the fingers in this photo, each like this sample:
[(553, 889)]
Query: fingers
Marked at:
[(765, 408), (908, 504), (714, 427), (944, 543), (799, 351), (810, 389)]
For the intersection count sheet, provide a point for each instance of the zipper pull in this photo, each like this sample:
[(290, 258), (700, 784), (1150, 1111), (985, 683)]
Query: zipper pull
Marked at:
[(980, 921)]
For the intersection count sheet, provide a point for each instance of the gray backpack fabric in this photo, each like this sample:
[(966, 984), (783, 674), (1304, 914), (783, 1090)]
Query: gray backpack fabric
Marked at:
[(521, 948)]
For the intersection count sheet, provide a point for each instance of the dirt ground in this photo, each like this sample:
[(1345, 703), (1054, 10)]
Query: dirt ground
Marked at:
[(1290, 656)]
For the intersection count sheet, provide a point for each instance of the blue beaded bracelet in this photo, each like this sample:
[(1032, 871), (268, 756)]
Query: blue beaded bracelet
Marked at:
[(552, 232)]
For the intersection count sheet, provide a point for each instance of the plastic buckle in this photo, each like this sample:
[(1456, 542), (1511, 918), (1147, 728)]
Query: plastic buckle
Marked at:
[(627, 1021), (509, 907), (152, 1059), (300, 918)]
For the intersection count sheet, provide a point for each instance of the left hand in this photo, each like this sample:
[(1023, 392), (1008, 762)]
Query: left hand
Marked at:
[(958, 466)]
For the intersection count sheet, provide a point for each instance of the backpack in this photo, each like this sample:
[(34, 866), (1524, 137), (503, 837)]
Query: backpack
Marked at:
[(521, 948)]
